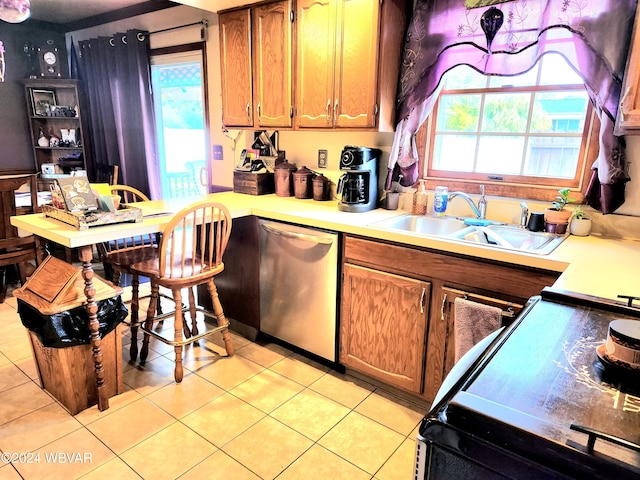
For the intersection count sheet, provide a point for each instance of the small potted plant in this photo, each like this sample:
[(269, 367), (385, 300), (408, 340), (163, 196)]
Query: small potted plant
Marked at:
[(580, 224), (556, 217)]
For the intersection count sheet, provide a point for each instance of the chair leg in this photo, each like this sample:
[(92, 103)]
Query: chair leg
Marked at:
[(192, 311), (219, 313), (177, 336), (133, 348), (3, 281), (151, 312)]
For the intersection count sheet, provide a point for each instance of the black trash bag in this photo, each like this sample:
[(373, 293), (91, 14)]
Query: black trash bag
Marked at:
[(70, 328)]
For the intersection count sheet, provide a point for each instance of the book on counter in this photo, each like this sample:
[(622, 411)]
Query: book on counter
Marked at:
[(77, 194)]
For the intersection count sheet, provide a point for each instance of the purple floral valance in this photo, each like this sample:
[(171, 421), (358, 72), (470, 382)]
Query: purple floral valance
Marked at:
[(508, 38)]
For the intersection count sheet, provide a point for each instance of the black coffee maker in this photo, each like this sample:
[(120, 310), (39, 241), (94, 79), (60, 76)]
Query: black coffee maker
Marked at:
[(358, 186)]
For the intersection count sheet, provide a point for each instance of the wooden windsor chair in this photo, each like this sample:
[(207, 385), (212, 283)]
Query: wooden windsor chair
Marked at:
[(190, 254)]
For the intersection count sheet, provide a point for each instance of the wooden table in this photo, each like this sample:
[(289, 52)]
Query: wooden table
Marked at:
[(67, 236)]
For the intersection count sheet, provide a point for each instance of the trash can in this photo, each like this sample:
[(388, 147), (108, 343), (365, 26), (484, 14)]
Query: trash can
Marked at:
[(51, 305)]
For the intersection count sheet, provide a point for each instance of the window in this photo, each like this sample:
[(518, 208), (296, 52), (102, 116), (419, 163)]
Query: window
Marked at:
[(177, 78), (527, 131)]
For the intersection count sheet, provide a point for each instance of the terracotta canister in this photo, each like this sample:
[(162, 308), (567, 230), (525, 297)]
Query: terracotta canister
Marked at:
[(302, 183), (283, 176), (321, 188)]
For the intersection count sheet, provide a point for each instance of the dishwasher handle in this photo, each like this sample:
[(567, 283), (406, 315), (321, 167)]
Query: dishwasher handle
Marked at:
[(299, 236)]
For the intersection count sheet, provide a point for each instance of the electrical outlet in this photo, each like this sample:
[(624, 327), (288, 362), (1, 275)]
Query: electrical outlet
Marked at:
[(322, 159)]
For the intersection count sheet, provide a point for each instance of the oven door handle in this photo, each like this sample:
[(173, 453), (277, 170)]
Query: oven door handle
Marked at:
[(595, 434)]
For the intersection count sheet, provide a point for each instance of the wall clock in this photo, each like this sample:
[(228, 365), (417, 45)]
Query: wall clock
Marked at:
[(49, 61)]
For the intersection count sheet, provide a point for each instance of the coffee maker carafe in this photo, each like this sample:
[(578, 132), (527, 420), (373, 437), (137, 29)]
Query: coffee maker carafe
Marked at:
[(358, 186)]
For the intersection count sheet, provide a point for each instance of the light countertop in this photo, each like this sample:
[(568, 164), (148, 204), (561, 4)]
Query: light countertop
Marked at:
[(593, 265)]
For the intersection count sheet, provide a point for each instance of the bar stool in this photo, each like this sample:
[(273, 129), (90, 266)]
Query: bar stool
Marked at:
[(121, 254), (190, 254)]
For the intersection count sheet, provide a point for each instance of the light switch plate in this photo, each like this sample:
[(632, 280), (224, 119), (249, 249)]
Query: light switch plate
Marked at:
[(322, 159), (217, 152)]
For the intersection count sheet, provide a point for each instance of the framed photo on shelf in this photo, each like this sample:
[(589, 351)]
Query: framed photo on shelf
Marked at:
[(42, 101)]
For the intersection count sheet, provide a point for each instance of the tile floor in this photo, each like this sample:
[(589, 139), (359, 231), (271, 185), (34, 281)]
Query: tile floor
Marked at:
[(265, 413)]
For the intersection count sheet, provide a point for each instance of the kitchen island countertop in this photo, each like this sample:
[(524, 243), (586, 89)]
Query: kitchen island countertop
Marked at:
[(593, 265)]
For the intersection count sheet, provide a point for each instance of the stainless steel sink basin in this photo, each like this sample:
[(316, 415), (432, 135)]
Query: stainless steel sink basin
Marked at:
[(510, 237), (438, 226)]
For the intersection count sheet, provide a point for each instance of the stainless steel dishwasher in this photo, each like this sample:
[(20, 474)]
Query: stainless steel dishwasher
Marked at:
[(298, 286)]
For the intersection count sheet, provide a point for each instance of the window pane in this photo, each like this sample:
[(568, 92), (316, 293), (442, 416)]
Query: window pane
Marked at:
[(458, 113), (556, 71), (560, 112), (454, 152), (552, 156), (506, 112), (464, 77), (501, 155)]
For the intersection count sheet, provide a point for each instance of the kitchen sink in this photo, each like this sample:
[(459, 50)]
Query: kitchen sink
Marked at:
[(500, 235), (438, 226)]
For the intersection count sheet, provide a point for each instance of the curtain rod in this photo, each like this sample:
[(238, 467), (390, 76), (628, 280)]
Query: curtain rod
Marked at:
[(203, 22)]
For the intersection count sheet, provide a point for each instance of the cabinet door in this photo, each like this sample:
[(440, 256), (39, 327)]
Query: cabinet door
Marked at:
[(356, 83), (235, 68), (272, 64), (441, 346), (316, 46), (383, 326)]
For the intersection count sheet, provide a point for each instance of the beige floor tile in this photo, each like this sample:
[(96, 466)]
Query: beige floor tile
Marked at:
[(91, 414), (391, 411), (265, 355), (311, 414), (268, 447), (401, 465), (17, 348), (347, 390), (130, 425), (28, 366), (11, 376), (238, 341), (223, 419), (362, 441), (180, 399), (318, 462), (4, 360), (22, 400), (36, 429), (199, 354), (68, 457), (267, 390), (219, 466), (8, 472), (10, 329), (168, 453), (229, 372), (300, 369), (114, 469), (154, 375)]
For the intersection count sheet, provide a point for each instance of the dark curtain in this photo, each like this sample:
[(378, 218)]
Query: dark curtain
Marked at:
[(117, 76), (508, 39)]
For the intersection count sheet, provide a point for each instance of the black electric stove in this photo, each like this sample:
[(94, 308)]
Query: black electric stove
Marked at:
[(539, 403)]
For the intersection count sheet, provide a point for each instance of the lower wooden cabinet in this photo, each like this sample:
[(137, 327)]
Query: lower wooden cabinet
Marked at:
[(398, 318), (383, 326)]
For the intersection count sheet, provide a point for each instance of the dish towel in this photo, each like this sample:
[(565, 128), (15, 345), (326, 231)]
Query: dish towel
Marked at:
[(473, 322)]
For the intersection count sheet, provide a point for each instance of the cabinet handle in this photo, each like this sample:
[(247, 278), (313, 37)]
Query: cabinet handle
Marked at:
[(327, 110), (258, 110), (248, 110), (335, 111), (444, 302), (622, 100), (424, 293)]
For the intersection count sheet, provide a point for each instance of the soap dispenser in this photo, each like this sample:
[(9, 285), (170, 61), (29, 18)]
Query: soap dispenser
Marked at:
[(420, 198)]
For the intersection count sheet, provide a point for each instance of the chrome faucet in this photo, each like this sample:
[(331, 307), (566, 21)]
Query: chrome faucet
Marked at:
[(524, 214), (481, 210)]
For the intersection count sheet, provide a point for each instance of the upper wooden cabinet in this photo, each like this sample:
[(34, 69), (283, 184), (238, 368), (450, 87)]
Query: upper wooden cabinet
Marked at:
[(255, 57), (628, 119), (347, 63)]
